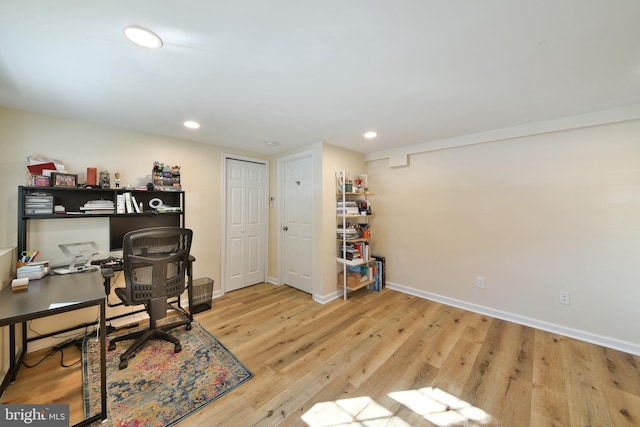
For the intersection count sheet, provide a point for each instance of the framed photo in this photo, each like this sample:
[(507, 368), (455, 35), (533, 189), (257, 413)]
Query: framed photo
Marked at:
[(64, 180), (41, 181)]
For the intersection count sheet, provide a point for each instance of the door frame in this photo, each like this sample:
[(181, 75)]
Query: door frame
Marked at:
[(281, 216), (223, 225)]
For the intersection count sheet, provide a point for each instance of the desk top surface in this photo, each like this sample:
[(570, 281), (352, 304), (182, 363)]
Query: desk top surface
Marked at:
[(50, 295)]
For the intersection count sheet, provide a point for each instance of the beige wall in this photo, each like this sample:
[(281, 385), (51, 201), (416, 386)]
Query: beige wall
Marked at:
[(534, 216), (80, 145), (7, 273)]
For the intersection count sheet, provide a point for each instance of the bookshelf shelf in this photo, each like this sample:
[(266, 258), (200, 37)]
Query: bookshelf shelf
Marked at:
[(358, 286), (351, 262), (75, 200)]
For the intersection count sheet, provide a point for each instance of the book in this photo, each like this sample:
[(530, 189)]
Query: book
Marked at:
[(136, 207), (120, 204), (128, 203), (163, 209), (97, 207)]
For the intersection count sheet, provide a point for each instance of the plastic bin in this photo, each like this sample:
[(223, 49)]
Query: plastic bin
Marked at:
[(202, 295)]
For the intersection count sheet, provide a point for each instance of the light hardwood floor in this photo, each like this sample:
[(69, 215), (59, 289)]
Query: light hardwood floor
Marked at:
[(386, 359)]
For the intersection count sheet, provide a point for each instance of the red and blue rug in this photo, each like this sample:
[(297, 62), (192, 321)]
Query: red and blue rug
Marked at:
[(160, 387)]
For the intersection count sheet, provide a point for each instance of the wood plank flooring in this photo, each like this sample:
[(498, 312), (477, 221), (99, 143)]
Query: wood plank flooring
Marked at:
[(385, 359)]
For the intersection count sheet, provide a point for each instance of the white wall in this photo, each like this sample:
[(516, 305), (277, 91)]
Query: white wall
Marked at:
[(534, 216)]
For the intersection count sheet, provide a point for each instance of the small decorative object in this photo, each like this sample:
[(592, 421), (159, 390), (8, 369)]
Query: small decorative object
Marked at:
[(359, 182), (348, 187), (339, 181), (117, 175), (165, 177), (105, 179), (92, 176), (65, 180), (41, 181)]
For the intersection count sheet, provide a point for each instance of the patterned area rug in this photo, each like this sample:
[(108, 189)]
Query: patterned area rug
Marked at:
[(160, 387)]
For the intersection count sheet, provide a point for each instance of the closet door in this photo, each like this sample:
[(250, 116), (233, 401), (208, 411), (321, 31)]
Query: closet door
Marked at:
[(245, 224)]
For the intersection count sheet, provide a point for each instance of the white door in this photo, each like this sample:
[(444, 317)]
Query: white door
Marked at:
[(245, 224), (297, 213)]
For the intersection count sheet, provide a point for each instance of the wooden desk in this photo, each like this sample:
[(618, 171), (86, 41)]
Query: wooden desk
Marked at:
[(51, 295)]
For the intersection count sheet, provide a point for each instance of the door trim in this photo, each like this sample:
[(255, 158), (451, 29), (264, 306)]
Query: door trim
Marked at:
[(223, 225), (281, 218)]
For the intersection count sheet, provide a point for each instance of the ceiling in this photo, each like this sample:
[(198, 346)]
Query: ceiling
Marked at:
[(301, 72)]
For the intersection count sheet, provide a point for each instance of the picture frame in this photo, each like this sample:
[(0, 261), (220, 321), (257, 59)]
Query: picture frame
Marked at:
[(64, 180), (41, 181)]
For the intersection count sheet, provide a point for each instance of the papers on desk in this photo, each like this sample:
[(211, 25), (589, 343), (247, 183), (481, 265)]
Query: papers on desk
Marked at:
[(33, 270)]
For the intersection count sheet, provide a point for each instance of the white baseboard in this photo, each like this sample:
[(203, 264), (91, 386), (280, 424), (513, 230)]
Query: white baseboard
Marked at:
[(273, 280), (323, 299), (627, 347)]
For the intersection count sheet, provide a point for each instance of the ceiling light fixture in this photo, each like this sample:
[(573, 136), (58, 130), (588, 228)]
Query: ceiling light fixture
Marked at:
[(270, 143), (370, 135), (192, 124), (143, 37)]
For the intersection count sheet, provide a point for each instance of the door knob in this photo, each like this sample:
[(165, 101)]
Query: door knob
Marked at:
[(285, 228)]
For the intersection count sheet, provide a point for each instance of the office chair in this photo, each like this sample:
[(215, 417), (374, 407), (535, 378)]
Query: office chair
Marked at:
[(155, 263)]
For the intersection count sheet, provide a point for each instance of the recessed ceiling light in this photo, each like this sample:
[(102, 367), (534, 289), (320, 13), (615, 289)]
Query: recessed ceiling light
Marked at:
[(191, 124), (143, 37), (370, 135)]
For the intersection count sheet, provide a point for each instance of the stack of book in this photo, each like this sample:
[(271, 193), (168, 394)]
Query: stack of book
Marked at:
[(165, 209), (96, 207), (347, 208), (352, 253), (348, 233)]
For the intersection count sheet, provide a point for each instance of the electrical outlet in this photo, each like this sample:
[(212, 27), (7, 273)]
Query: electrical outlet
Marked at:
[(480, 282), (564, 298)]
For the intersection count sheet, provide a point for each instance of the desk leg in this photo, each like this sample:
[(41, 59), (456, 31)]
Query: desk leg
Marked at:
[(103, 361), (14, 363), (190, 290), (103, 370)]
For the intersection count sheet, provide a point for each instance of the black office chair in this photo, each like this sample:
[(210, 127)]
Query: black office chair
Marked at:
[(155, 264)]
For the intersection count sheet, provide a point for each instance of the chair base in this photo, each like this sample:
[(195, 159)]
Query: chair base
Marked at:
[(141, 337)]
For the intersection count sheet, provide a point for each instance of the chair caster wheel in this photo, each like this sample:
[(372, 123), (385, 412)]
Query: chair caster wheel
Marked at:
[(123, 364), (112, 346), (188, 328), (177, 348)]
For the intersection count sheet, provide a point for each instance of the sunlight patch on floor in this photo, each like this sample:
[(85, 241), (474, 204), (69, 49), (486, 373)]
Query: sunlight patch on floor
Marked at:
[(441, 408), (358, 411), (435, 405)]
